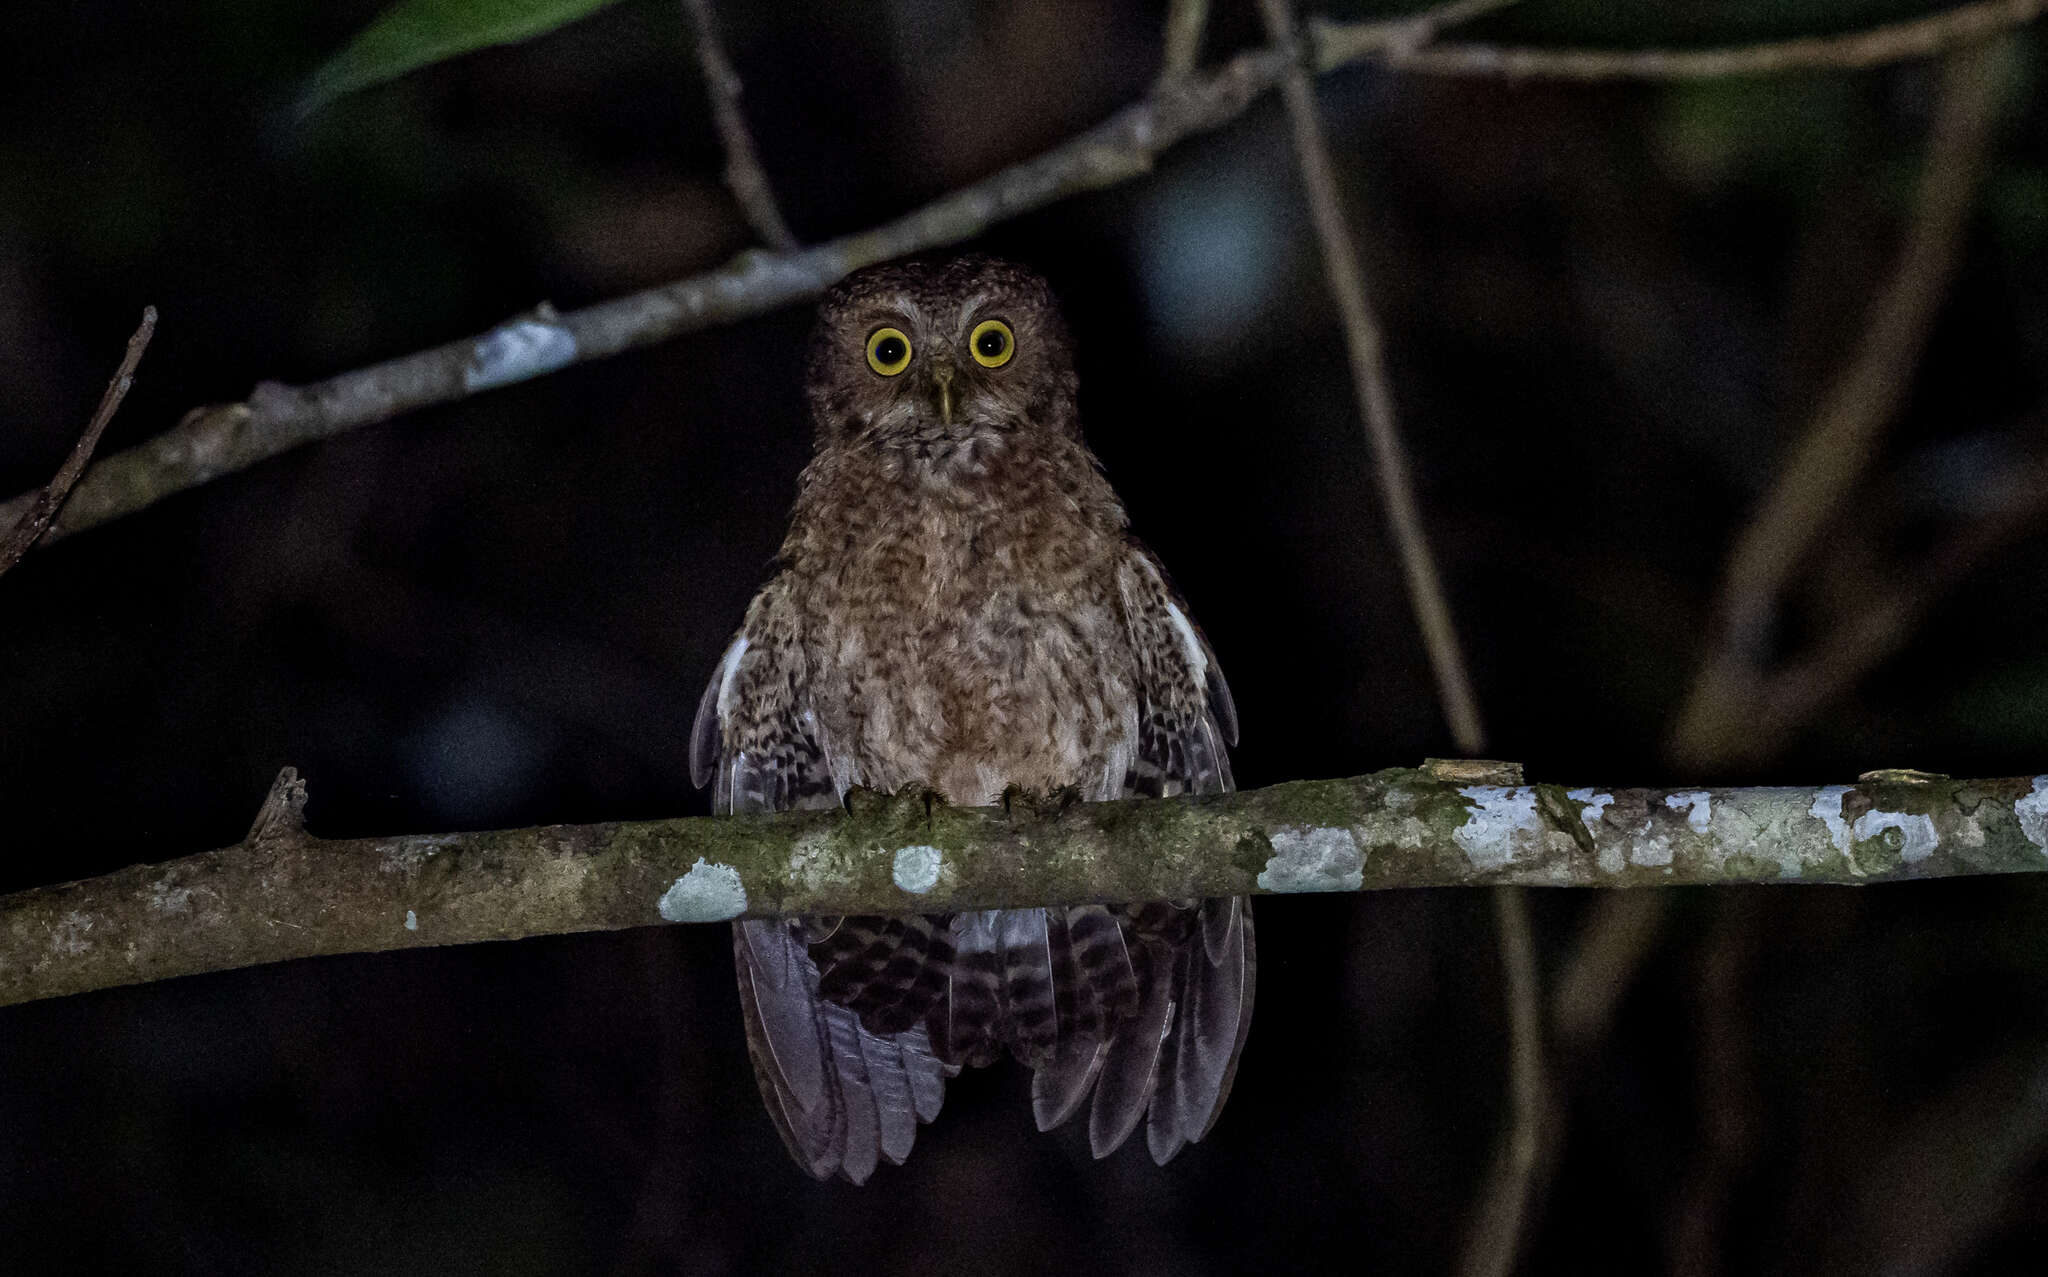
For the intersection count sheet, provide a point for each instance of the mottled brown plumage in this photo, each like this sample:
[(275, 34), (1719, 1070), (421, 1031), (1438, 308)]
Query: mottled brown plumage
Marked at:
[(958, 606)]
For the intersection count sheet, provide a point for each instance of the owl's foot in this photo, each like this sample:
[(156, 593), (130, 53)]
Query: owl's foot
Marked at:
[(1018, 803)]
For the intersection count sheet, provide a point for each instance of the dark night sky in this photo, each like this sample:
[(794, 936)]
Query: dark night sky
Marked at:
[(1610, 311)]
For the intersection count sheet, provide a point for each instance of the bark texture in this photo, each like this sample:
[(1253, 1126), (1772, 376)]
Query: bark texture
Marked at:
[(282, 894)]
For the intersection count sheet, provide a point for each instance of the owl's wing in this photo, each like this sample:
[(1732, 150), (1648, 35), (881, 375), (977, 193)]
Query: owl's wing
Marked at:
[(841, 1096), (1172, 1060), (1185, 715)]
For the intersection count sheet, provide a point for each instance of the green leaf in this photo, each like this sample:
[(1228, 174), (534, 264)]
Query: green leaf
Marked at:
[(416, 33)]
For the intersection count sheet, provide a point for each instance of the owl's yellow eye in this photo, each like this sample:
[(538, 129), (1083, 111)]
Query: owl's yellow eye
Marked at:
[(992, 343), (888, 351)]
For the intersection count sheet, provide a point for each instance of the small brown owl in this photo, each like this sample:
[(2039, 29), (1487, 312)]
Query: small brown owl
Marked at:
[(959, 606)]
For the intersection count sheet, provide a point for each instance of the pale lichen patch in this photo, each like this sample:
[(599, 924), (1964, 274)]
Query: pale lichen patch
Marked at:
[(1307, 858), (1827, 808), (68, 937), (1651, 847), (412, 921), (517, 351), (164, 898), (1698, 806), (2032, 811), (710, 892), (817, 863), (917, 868), (1917, 838), (1596, 802), (1503, 825)]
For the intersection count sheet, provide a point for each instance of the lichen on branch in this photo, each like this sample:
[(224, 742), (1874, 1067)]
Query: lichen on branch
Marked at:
[(282, 894)]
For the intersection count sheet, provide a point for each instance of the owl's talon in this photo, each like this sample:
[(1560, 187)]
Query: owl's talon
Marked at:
[(1013, 798)]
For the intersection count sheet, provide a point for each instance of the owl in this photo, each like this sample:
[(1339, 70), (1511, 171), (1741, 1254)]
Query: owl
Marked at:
[(959, 607)]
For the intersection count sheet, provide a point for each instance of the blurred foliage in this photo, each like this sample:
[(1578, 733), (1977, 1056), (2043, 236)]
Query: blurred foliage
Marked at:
[(415, 33)]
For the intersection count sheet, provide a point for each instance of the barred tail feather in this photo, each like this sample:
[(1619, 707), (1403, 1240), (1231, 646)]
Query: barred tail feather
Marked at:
[(1131, 1071), (840, 1096)]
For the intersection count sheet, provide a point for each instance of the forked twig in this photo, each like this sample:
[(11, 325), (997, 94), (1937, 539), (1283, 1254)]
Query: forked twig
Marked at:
[(36, 519)]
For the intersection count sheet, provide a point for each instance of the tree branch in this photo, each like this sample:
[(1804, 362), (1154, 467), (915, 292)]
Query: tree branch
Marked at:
[(1186, 22), (1718, 718), (41, 507), (1369, 380), (743, 173), (221, 439), (1496, 1233), (282, 894), (1875, 46)]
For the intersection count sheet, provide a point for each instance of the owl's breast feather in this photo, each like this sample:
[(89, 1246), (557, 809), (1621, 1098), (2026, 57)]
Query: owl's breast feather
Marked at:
[(971, 648)]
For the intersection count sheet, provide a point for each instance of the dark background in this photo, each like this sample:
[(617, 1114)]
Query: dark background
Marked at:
[(1610, 311)]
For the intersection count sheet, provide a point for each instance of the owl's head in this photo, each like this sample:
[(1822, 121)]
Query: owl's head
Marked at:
[(924, 353)]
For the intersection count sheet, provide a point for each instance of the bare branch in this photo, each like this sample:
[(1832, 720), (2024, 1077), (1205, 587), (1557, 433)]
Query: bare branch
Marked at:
[(1838, 445), (221, 439), (1729, 1107), (1496, 1236), (1375, 394), (43, 506), (1884, 620), (1613, 942), (1186, 20), (1877, 46), (287, 895), (743, 172)]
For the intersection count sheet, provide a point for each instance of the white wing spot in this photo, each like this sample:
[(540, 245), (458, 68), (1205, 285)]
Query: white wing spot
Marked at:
[(1198, 665), (728, 669)]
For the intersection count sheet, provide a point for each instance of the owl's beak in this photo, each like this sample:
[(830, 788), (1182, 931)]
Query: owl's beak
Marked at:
[(942, 390)]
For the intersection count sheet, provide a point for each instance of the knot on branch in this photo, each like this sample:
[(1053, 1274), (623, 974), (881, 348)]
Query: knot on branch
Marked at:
[(282, 818)]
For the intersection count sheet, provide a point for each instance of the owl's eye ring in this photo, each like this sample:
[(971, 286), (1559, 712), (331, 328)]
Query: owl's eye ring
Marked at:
[(888, 351), (992, 343)]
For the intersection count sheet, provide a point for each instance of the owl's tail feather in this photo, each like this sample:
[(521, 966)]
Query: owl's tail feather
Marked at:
[(840, 1096), (1214, 976), (1171, 1058)]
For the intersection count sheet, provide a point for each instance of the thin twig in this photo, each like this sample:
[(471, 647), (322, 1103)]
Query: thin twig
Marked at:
[(1838, 445), (220, 439), (1884, 620), (1728, 1104), (1875, 46), (1619, 932), (284, 894), (1186, 20), (1496, 1235), (743, 172), (223, 438), (1497, 1230), (1375, 395), (35, 520)]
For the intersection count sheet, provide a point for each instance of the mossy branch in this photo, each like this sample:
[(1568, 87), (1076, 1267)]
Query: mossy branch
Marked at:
[(281, 893)]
